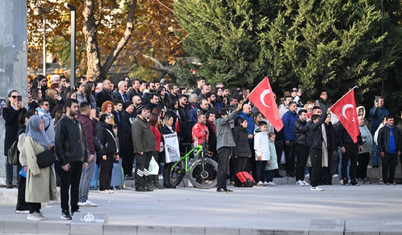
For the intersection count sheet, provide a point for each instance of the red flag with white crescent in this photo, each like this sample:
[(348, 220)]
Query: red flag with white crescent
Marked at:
[(263, 98), (345, 110)]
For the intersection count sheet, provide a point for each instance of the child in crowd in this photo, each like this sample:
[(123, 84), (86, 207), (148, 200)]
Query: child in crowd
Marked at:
[(261, 147), (272, 163)]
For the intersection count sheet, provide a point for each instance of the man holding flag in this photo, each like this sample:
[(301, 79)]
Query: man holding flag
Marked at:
[(348, 134)]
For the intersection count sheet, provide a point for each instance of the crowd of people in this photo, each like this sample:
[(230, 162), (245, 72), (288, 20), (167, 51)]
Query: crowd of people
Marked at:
[(94, 126)]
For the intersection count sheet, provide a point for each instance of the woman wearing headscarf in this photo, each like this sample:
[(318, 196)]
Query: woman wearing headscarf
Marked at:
[(106, 136), (40, 182), (22, 207)]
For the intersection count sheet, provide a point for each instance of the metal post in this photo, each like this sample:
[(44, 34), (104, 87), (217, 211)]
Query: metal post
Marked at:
[(72, 59), (382, 45), (44, 44)]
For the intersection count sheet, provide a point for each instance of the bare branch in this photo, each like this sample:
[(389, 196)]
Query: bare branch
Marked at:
[(100, 9), (123, 41)]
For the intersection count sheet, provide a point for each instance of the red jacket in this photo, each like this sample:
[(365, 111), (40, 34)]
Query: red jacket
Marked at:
[(158, 137), (199, 133)]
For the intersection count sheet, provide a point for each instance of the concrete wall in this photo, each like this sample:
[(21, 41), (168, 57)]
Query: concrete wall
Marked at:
[(13, 58)]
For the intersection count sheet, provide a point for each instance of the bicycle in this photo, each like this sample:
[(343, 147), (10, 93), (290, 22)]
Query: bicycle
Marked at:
[(201, 170)]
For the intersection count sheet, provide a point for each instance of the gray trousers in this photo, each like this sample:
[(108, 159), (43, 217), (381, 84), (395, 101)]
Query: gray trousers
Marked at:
[(86, 178)]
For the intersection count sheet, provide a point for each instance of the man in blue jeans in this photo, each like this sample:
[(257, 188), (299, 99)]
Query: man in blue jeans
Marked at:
[(88, 172), (389, 145), (376, 113)]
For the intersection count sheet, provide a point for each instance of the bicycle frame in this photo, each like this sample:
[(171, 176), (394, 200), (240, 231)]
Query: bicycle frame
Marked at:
[(186, 157)]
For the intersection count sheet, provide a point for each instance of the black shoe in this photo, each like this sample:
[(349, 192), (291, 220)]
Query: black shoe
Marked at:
[(278, 176), (65, 215), (9, 186), (220, 190), (140, 189), (75, 211), (150, 189), (229, 191)]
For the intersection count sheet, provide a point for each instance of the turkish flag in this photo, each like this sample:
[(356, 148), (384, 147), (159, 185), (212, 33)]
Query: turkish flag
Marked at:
[(263, 98), (345, 110)]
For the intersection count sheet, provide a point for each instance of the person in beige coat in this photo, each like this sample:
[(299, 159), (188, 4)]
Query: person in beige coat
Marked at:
[(40, 182)]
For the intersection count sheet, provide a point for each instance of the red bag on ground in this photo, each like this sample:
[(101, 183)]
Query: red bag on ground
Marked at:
[(245, 179)]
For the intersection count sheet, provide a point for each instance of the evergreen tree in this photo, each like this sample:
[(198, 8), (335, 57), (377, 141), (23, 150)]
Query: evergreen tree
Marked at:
[(315, 45)]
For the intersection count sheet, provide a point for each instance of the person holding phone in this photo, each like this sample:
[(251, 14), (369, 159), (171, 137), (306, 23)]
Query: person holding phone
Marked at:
[(10, 114)]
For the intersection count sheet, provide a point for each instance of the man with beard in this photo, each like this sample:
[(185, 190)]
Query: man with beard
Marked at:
[(150, 89), (173, 92), (184, 120), (72, 153), (153, 101), (211, 98), (126, 147), (203, 108)]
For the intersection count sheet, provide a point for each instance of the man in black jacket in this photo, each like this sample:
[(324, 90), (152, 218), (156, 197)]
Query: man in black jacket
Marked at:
[(389, 146), (350, 151), (184, 110), (316, 149), (126, 146), (301, 147), (72, 153), (105, 94)]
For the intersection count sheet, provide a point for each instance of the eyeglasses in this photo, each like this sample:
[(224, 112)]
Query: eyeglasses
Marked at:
[(46, 104)]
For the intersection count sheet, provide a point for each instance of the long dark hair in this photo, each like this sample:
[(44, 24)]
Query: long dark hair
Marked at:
[(9, 95)]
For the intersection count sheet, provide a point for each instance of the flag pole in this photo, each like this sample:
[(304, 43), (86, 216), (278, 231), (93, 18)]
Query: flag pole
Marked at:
[(344, 95)]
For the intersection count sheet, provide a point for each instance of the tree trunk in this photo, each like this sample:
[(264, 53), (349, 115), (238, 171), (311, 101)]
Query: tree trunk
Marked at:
[(89, 29), (123, 41)]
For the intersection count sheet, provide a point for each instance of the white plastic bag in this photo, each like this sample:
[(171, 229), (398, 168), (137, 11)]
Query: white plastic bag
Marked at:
[(153, 167)]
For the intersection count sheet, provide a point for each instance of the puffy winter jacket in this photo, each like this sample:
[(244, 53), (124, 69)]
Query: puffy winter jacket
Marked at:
[(289, 120), (240, 137), (301, 133)]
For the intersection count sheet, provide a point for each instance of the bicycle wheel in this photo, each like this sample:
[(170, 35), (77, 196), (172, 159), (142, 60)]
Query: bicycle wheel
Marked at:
[(176, 174), (206, 178)]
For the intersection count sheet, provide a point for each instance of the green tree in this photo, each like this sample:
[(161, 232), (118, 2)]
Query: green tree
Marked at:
[(315, 45)]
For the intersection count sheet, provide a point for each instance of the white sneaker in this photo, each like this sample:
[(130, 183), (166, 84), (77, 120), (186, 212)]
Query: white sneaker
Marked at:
[(307, 175), (265, 183), (270, 183), (22, 211), (87, 203), (316, 189), (109, 191), (305, 183), (35, 216), (103, 191), (300, 183), (259, 183), (335, 175)]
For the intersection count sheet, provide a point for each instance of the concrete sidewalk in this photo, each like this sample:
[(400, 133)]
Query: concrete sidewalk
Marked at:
[(283, 209)]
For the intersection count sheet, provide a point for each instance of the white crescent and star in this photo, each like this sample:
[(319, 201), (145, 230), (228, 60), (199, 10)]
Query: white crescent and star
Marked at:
[(262, 96), (345, 107)]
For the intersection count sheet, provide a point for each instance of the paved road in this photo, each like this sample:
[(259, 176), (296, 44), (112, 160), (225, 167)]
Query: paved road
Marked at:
[(284, 207)]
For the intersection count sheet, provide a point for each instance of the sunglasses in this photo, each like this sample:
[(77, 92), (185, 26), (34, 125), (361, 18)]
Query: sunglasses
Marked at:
[(14, 96)]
